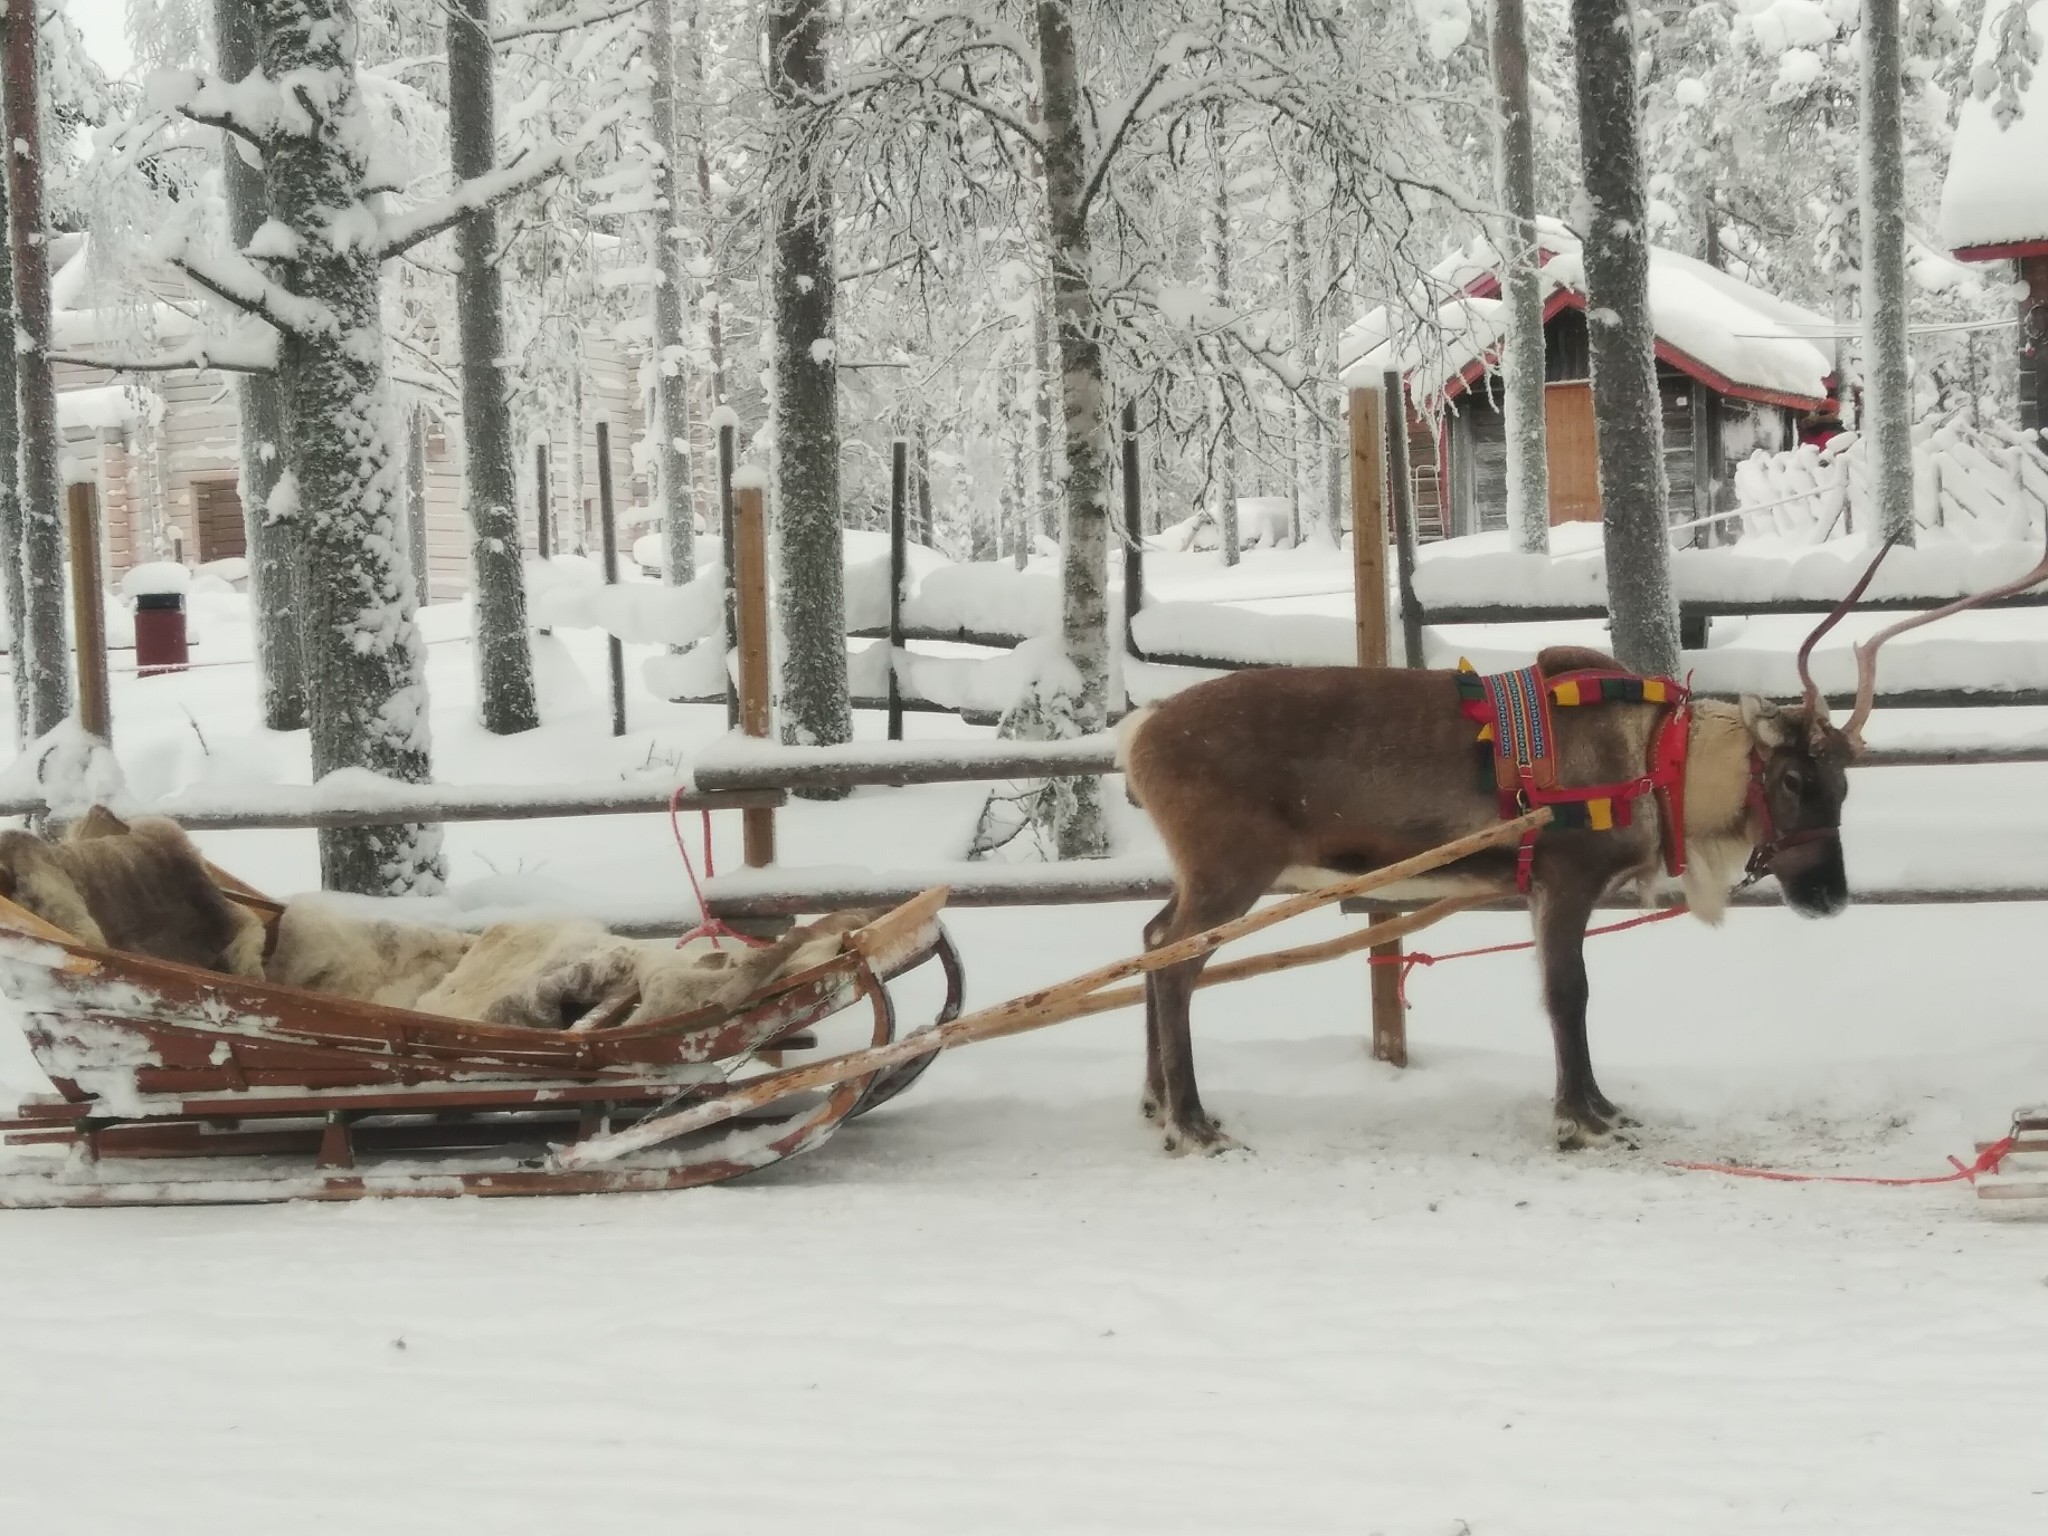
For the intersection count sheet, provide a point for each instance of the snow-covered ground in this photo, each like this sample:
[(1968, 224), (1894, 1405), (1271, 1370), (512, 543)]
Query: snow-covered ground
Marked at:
[(996, 1306)]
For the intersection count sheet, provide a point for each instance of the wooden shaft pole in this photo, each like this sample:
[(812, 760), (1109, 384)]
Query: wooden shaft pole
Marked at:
[(88, 604), (1049, 1005), (727, 450), (1134, 534), (615, 650), (750, 571), (899, 483), (1369, 565)]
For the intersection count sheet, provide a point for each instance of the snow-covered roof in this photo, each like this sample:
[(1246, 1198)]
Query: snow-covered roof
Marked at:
[(1996, 194), (1734, 337)]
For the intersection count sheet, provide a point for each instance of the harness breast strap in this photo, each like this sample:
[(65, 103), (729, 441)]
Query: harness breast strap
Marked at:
[(1513, 710)]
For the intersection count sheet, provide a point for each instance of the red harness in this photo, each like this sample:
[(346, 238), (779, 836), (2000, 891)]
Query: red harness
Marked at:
[(1514, 714)]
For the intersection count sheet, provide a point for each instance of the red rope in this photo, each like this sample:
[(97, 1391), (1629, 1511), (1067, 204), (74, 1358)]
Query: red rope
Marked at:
[(1987, 1162), (1409, 961), (708, 927)]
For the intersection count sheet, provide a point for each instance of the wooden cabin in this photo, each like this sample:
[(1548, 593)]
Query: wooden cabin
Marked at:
[(164, 450), (1738, 370), (1994, 202)]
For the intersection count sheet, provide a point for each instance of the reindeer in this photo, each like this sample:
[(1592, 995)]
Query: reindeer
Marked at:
[(1291, 778)]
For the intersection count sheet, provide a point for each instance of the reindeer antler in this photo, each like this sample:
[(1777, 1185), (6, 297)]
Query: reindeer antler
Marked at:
[(1816, 707), (1866, 652)]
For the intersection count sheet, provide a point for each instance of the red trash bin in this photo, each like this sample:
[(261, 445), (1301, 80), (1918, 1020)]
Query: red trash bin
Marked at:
[(160, 633)]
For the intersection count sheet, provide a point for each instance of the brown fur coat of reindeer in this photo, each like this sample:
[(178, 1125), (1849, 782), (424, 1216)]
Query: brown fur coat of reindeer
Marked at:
[(1300, 776), (141, 887)]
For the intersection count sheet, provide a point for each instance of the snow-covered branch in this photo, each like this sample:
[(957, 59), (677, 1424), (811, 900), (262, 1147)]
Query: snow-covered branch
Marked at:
[(1143, 103), (589, 16), (198, 357), (241, 283)]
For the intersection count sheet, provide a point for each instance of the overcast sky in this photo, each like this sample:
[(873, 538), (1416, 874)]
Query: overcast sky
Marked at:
[(106, 31)]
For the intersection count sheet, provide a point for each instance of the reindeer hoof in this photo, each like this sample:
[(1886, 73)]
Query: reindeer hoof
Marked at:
[(1148, 1106), (1582, 1130), (1200, 1136)]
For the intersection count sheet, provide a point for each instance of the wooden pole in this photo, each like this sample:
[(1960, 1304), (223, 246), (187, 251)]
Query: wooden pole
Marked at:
[(1134, 537), (1369, 563), (1402, 505), (726, 451), (615, 650), (750, 569), (1072, 999), (88, 603), (899, 483)]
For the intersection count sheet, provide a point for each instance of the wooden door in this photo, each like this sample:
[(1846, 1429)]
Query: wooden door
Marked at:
[(1573, 457), (218, 510)]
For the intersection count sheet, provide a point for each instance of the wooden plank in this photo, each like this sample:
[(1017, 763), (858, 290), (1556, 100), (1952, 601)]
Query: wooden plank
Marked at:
[(89, 604), (750, 567), (1570, 446), (449, 807), (1369, 413)]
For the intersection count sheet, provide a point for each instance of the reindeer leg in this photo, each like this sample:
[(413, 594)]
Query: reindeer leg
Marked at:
[(1169, 994), (1584, 1115), (1155, 1082)]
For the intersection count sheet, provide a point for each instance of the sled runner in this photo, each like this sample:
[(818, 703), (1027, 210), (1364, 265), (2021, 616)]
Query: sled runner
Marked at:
[(175, 1085), (2022, 1174)]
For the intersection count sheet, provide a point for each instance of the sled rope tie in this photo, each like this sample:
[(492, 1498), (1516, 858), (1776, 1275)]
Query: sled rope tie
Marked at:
[(708, 927), (1407, 962), (1987, 1162)]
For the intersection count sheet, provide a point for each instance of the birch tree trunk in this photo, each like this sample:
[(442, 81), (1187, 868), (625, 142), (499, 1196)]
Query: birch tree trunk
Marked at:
[(816, 705), (1044, 515), (1084, 550), (1626, 410), (504, 657), (11, 591), (671, 335), (1222, 429), (1305, 484), (366, 686), (259, 416), (1887, 360), (1522, 356), (40, 631)]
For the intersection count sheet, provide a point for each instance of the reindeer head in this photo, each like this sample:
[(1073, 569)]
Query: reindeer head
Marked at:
[(1800, 765)]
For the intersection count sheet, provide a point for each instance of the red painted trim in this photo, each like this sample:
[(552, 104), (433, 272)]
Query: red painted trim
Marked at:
[(2014, 250), (1480, 367)]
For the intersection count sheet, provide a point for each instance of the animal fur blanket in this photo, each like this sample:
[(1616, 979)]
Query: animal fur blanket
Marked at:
[(139, 887), (549, 974)]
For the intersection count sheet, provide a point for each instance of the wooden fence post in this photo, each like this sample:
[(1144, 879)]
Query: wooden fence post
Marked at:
[(750, 568), (1134, 539), (726, 451), (899, 484), (89, 607), (614, 648), (1369, 562), (543, 531)]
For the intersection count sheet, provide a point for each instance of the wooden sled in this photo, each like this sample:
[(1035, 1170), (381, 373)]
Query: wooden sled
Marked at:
[(2022, 1174), (181, 1086)]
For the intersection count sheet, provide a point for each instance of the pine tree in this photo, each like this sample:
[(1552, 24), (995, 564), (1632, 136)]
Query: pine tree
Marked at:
[(1528, 474), (1887, 356), (1626, 405), (40, 650), (274, 605), (815, 699), (504, 656)]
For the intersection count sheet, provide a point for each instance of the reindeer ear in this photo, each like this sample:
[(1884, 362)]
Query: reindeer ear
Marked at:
[(1765, 722)]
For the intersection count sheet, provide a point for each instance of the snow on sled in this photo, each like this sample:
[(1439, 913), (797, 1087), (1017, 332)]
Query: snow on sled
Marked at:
[(176, 1085), (2022, 1173)]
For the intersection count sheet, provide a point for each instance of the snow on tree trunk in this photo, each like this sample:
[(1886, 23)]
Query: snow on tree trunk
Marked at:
[(259, 416), (504, 656), (817, 709), (1079, 703), (1337, 447), (1310, 428), (1045, 478), (366, 682), (1528, 487), (1222, 429), (10, 500), (1626, 409), (40, 631), (1887, 361), (671, 340)]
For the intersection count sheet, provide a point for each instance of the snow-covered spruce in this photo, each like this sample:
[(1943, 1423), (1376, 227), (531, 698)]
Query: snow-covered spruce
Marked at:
[(1622, 341), (1528, 475), (816, 707), (1084, 545), (505, 695), (42, 652), (671, 340), (259, 417), (365, 664)]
